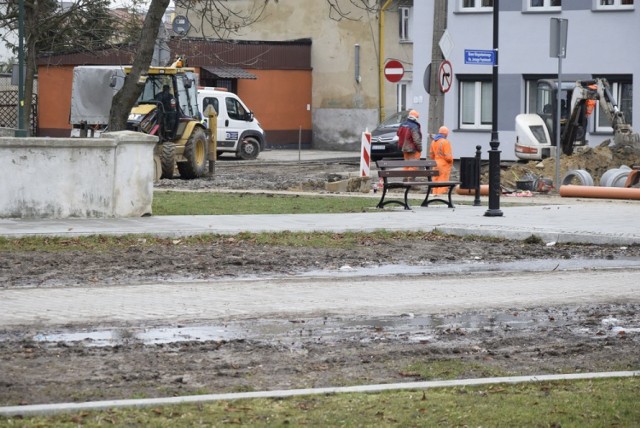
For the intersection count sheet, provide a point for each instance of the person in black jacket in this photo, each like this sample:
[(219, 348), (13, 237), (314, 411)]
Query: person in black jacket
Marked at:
[(169, 104)]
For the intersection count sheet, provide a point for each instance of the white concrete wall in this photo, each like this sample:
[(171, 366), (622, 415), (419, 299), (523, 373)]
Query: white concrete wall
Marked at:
[(7, 132), (77, 177)]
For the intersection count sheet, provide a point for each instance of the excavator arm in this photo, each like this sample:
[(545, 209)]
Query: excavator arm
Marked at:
[(596, 90)]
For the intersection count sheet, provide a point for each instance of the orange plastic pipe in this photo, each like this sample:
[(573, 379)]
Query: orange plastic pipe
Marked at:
[(484, 190), (574, 191)]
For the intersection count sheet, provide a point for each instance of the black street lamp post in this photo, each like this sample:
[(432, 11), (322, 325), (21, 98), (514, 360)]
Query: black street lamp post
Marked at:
[(494, 153)]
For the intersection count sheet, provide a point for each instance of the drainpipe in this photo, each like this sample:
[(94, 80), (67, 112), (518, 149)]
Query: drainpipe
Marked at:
[(381, 58), (574, 191)]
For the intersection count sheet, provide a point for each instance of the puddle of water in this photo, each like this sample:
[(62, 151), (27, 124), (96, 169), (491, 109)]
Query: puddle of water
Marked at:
[(542, 265), (294, 333), (149, 336), (274, 330)]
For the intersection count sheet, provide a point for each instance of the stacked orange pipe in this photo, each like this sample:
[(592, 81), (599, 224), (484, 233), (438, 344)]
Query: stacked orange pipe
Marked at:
[(574, 191)]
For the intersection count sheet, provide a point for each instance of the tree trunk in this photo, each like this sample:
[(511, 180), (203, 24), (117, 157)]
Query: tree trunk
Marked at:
[(436, 97), (31, 52), (31, 67), (126, 97)]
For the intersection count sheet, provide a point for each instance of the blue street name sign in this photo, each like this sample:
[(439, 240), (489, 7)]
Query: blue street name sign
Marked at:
[(472, 56)]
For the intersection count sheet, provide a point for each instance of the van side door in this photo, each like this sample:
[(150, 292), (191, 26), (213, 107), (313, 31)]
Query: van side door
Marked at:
[(237, 117)]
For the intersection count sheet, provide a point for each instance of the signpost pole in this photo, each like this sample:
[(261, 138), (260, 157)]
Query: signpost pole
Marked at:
[(558, 117), (494, 153), (558, 48)]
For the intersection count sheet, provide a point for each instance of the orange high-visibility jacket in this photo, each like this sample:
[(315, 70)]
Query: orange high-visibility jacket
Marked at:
[(440, 151)]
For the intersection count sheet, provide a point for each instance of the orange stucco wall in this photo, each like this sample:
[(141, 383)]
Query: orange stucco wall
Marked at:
[(54, 101), (279, 99)]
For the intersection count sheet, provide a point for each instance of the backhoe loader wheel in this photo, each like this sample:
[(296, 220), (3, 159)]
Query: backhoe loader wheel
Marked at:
[(168, 159), (195, 151), (249, 148)]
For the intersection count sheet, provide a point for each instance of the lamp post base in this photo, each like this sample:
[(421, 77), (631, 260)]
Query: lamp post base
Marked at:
[(493, 213), (494, 178)]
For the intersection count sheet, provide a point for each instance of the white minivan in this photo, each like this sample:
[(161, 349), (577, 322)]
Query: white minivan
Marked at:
[(239, 132)]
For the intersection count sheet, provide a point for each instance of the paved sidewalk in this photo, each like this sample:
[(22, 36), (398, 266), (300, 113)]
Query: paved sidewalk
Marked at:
[(552, 218), (605, 222), (176, 302)]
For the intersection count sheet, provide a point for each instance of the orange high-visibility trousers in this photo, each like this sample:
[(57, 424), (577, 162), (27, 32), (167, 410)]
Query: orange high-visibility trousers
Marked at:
[(445, 171), (440, 151), (411, 156)]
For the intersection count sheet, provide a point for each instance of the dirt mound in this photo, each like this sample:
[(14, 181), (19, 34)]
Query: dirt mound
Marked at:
[(595, 160)]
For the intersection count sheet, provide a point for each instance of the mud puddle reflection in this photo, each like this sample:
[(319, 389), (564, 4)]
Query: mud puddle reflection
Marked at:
[(408, 328)]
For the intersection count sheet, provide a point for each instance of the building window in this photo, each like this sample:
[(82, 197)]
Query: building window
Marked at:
[(613, 4), (475, 5), (623, 93), (401, 89), (475, 104), (405, 19), (542, 5)]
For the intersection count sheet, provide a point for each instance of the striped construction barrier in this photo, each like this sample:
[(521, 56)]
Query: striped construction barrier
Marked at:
[(365, 157)]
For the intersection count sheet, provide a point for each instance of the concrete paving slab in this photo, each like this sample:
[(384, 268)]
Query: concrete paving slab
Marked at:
[(598, 223)]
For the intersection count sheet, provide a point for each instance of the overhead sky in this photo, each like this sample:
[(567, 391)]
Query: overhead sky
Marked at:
[(5, 53)]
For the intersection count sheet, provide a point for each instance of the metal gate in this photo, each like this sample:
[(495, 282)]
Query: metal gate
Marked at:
[(9, 111)]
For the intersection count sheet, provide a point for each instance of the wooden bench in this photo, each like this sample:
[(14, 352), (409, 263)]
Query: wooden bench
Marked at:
[(395, 176)]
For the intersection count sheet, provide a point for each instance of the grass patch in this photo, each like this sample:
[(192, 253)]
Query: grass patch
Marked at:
[(201, 203), (595, 403), (97, 243), (452, 369)]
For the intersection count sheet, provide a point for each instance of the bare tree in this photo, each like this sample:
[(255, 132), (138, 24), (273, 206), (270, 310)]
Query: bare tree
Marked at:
[(222, 18), (51, 27), (126, 97)]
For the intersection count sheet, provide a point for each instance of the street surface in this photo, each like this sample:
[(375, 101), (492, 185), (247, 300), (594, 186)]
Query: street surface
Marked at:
[(172, 318)]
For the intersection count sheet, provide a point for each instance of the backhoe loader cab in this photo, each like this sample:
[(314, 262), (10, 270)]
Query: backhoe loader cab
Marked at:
[(168, 108)]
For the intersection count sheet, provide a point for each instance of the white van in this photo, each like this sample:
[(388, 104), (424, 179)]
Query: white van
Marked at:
[(239, 132)]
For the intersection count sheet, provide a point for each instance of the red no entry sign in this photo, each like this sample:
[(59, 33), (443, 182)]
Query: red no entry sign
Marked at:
[(393, 71)]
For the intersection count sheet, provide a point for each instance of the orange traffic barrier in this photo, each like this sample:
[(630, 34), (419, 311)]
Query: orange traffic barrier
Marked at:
[(574, 191)]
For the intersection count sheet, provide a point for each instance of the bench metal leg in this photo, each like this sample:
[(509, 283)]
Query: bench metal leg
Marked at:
[(405, 204), (406, 198), (384, 193), (448, 202)]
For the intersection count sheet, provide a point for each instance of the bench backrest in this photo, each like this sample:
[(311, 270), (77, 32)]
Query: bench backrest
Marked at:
[(386, 173), (420, 163), (394, 168)]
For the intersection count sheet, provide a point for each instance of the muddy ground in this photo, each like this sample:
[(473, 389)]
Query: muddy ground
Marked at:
[(306, 351)]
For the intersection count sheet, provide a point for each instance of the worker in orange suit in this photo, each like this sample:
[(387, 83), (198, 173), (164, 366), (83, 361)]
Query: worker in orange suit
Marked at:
[(590, 103), (410, 138), (440, 151)]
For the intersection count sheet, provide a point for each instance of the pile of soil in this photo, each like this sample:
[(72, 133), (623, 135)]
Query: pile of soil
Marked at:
[(595, 160)]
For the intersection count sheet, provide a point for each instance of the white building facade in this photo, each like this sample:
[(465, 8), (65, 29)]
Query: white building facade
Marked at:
[(602, 35)]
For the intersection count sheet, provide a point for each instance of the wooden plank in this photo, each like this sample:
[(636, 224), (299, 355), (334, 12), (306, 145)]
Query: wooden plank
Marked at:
[(428, 163), (408, 173)]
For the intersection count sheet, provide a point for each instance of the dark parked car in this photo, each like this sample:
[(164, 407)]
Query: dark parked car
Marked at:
[(384, 141)]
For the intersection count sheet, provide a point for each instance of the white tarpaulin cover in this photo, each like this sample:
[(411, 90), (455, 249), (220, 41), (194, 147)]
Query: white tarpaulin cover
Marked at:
[(91, 93)]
